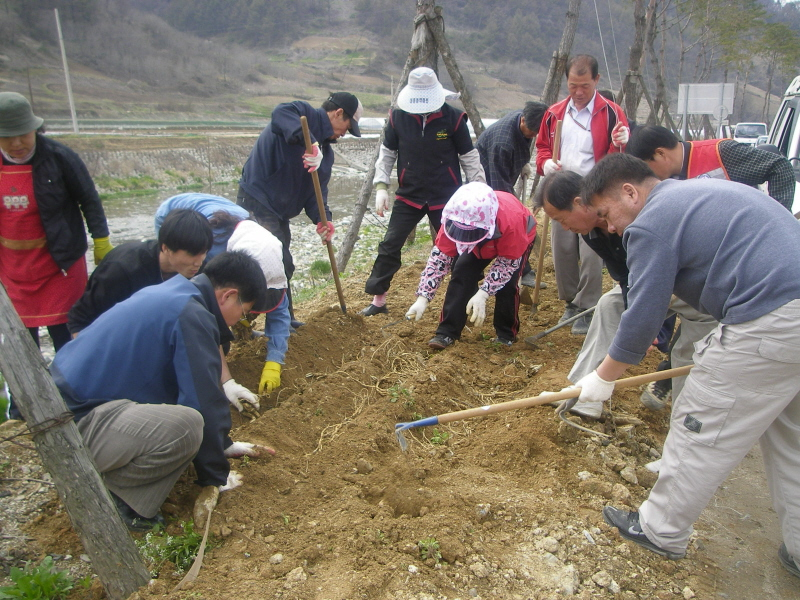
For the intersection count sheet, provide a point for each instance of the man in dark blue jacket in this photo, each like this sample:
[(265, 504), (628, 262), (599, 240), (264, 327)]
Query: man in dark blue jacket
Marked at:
[(149, 408), (275, 186)]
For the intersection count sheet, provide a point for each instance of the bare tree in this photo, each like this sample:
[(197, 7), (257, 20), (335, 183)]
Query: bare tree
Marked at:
[(559, 61), (427, 40), (630, 91)]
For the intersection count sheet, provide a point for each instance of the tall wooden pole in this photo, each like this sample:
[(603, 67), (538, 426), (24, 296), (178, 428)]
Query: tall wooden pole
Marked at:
[(114, 556), (66, 75)]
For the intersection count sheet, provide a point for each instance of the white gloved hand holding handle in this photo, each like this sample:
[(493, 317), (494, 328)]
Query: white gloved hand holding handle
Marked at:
[(476, 307), (620, 135), (314, 160), (236, 392), (234, 481), (417, 309), (594, 388), (381, 202), (551, 166)]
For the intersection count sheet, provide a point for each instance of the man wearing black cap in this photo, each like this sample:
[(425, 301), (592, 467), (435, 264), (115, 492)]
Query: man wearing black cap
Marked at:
[(275, 186)]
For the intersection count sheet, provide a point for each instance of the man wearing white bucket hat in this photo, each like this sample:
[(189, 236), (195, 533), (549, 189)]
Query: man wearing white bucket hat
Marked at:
[(431, 143), (479, 227)]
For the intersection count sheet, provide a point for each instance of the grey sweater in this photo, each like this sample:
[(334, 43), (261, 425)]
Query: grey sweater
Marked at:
[(724, 248)]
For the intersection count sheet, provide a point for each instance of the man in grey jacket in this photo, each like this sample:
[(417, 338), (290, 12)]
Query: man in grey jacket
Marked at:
[(733, 253)]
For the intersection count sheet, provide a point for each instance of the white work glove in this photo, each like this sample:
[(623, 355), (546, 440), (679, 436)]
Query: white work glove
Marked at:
[(234, 481), (314, 160), (477, 308), (417, 309), (551, 166), (236, 392), (594, 388), (240, 449), (620, 135), (381, 202)]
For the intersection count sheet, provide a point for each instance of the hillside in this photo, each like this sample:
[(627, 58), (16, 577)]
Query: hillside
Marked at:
[(166, 63)]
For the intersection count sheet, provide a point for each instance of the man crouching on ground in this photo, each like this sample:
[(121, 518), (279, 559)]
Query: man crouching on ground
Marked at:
[(734, 253), (143, 381)]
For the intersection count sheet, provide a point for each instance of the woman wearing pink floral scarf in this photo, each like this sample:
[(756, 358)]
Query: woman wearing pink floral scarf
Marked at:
[(479, 227)]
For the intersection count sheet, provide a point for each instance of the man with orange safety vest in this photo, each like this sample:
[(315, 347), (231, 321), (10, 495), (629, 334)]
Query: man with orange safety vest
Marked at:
[(717, 159)]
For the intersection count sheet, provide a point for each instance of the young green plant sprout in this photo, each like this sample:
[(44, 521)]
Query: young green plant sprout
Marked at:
[(429, 548), (439, 438), (41, 581), (158, 548)]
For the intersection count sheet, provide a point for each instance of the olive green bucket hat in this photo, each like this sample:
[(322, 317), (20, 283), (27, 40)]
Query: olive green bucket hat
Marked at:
[(16, 115)]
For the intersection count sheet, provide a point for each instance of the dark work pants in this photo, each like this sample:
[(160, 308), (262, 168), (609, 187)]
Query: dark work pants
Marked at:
[(467, 273), (403, 220), (58, 333)]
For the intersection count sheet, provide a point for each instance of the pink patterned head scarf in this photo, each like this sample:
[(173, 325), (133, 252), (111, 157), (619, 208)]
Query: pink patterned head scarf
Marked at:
[(469, 216)]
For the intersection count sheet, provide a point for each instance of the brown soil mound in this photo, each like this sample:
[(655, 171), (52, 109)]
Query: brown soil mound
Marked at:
[(506, 506)]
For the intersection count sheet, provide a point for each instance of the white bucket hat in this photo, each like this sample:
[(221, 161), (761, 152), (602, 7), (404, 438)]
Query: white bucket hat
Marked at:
[(424, 93)]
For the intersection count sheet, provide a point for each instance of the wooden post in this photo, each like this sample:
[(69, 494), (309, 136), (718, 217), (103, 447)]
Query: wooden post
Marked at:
[(419, 55), (436, 25), (559, 61), (114, 556)]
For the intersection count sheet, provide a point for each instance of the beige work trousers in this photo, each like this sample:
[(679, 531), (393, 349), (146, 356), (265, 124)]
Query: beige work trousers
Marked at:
[(744, 388)]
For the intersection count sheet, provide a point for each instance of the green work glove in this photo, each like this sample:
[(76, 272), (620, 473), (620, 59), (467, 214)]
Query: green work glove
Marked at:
[(270, 377), (101, 247)]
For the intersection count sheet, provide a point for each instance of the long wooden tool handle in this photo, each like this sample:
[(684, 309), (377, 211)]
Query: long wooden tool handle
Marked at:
[(322, 216), (543, 239), (557, 140), (540, 263), (563, 395)]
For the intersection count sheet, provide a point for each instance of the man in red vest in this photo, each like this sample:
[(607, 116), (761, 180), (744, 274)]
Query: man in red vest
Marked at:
[(717, 159)]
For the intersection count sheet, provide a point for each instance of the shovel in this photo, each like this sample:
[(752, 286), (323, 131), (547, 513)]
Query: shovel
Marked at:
[(491, 409), (322, 217)]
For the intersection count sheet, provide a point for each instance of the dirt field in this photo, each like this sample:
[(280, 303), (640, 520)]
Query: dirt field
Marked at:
[(513, 500)]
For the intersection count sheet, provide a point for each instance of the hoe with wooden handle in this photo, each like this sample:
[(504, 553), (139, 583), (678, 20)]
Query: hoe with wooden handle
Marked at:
[(322, 216), (491, 409)]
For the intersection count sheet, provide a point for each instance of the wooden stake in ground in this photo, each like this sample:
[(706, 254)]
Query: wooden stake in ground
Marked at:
[(322, 216), (114, 556)]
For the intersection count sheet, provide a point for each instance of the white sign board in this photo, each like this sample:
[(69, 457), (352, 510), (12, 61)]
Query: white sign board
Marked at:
[(715, 99)]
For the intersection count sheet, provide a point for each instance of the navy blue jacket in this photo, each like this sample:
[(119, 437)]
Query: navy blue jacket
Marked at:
[(165, 341), (274, 176)]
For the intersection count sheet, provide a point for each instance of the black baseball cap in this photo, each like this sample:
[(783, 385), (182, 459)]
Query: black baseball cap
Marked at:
[(350, 105)]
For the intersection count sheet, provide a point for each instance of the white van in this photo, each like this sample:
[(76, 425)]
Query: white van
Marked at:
[(785, 133), (747, 133)]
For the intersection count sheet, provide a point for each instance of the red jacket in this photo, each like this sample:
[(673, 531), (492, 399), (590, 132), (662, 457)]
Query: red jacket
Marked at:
[(605, 116), (704, 159), (515, 230)]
